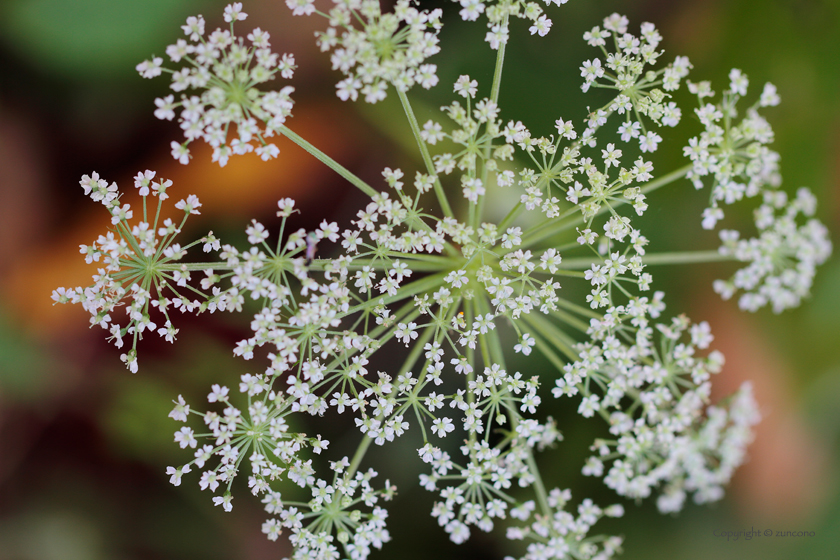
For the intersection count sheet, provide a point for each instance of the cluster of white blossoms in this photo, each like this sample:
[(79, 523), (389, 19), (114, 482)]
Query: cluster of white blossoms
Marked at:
[(140, 266), (784, 256), (561, 534), (499, 12), (228, 72), (262, 436), (375, 50), (783, 259), (736, 156), (653, 396), (413, 318), (641, 91)]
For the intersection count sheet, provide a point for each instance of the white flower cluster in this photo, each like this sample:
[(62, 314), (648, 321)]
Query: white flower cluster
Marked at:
[(499, 12), (479, 496), (138, 266), (478, 128), (642, 92), (374, 49), (670, 439), (262, 435), (736, 156), (553, 173), (561, 534), (784, 256), (455, 297), (782, 259), (229, 71)]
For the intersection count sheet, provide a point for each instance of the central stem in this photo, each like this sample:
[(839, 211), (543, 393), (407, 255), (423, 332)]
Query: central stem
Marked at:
[(494, 97), (496, 351), (424, 151), (358, 456), (682, 257)]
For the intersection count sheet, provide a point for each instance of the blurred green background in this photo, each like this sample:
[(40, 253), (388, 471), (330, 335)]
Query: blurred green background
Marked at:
[(84, 444)]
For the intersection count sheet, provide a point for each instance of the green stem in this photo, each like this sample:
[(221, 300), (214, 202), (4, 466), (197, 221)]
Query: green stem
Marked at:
[(514, 212), (494, 97), (497, 73), (358, 456), (539, 487), (686, 257), (420, 265), (197, 266), (414, 221), (493, 341), (579, 309), (328, 161), (553, 335), (424, 151), (666, 179), (683, 257)]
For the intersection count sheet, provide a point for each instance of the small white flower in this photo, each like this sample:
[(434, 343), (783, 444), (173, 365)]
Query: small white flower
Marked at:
[(465, 87), (406, 333), (525, 344), (184, 437), (190, 205), (301, 7), (176, 474), (442, 426), (233, 12), (224, 501), (150, 68), (181, 410), (218, 394), (541, 26), (769, 96), (738, 82)]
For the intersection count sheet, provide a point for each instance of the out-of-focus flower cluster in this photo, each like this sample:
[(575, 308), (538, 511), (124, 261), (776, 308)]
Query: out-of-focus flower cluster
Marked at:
[(666, 434), (784, 256), (783, 259)]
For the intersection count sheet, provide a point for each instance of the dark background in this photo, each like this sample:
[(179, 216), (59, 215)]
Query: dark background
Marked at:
[(84, 444)]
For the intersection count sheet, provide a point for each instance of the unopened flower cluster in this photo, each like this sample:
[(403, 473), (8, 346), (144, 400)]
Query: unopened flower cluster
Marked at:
[(454, 296)]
